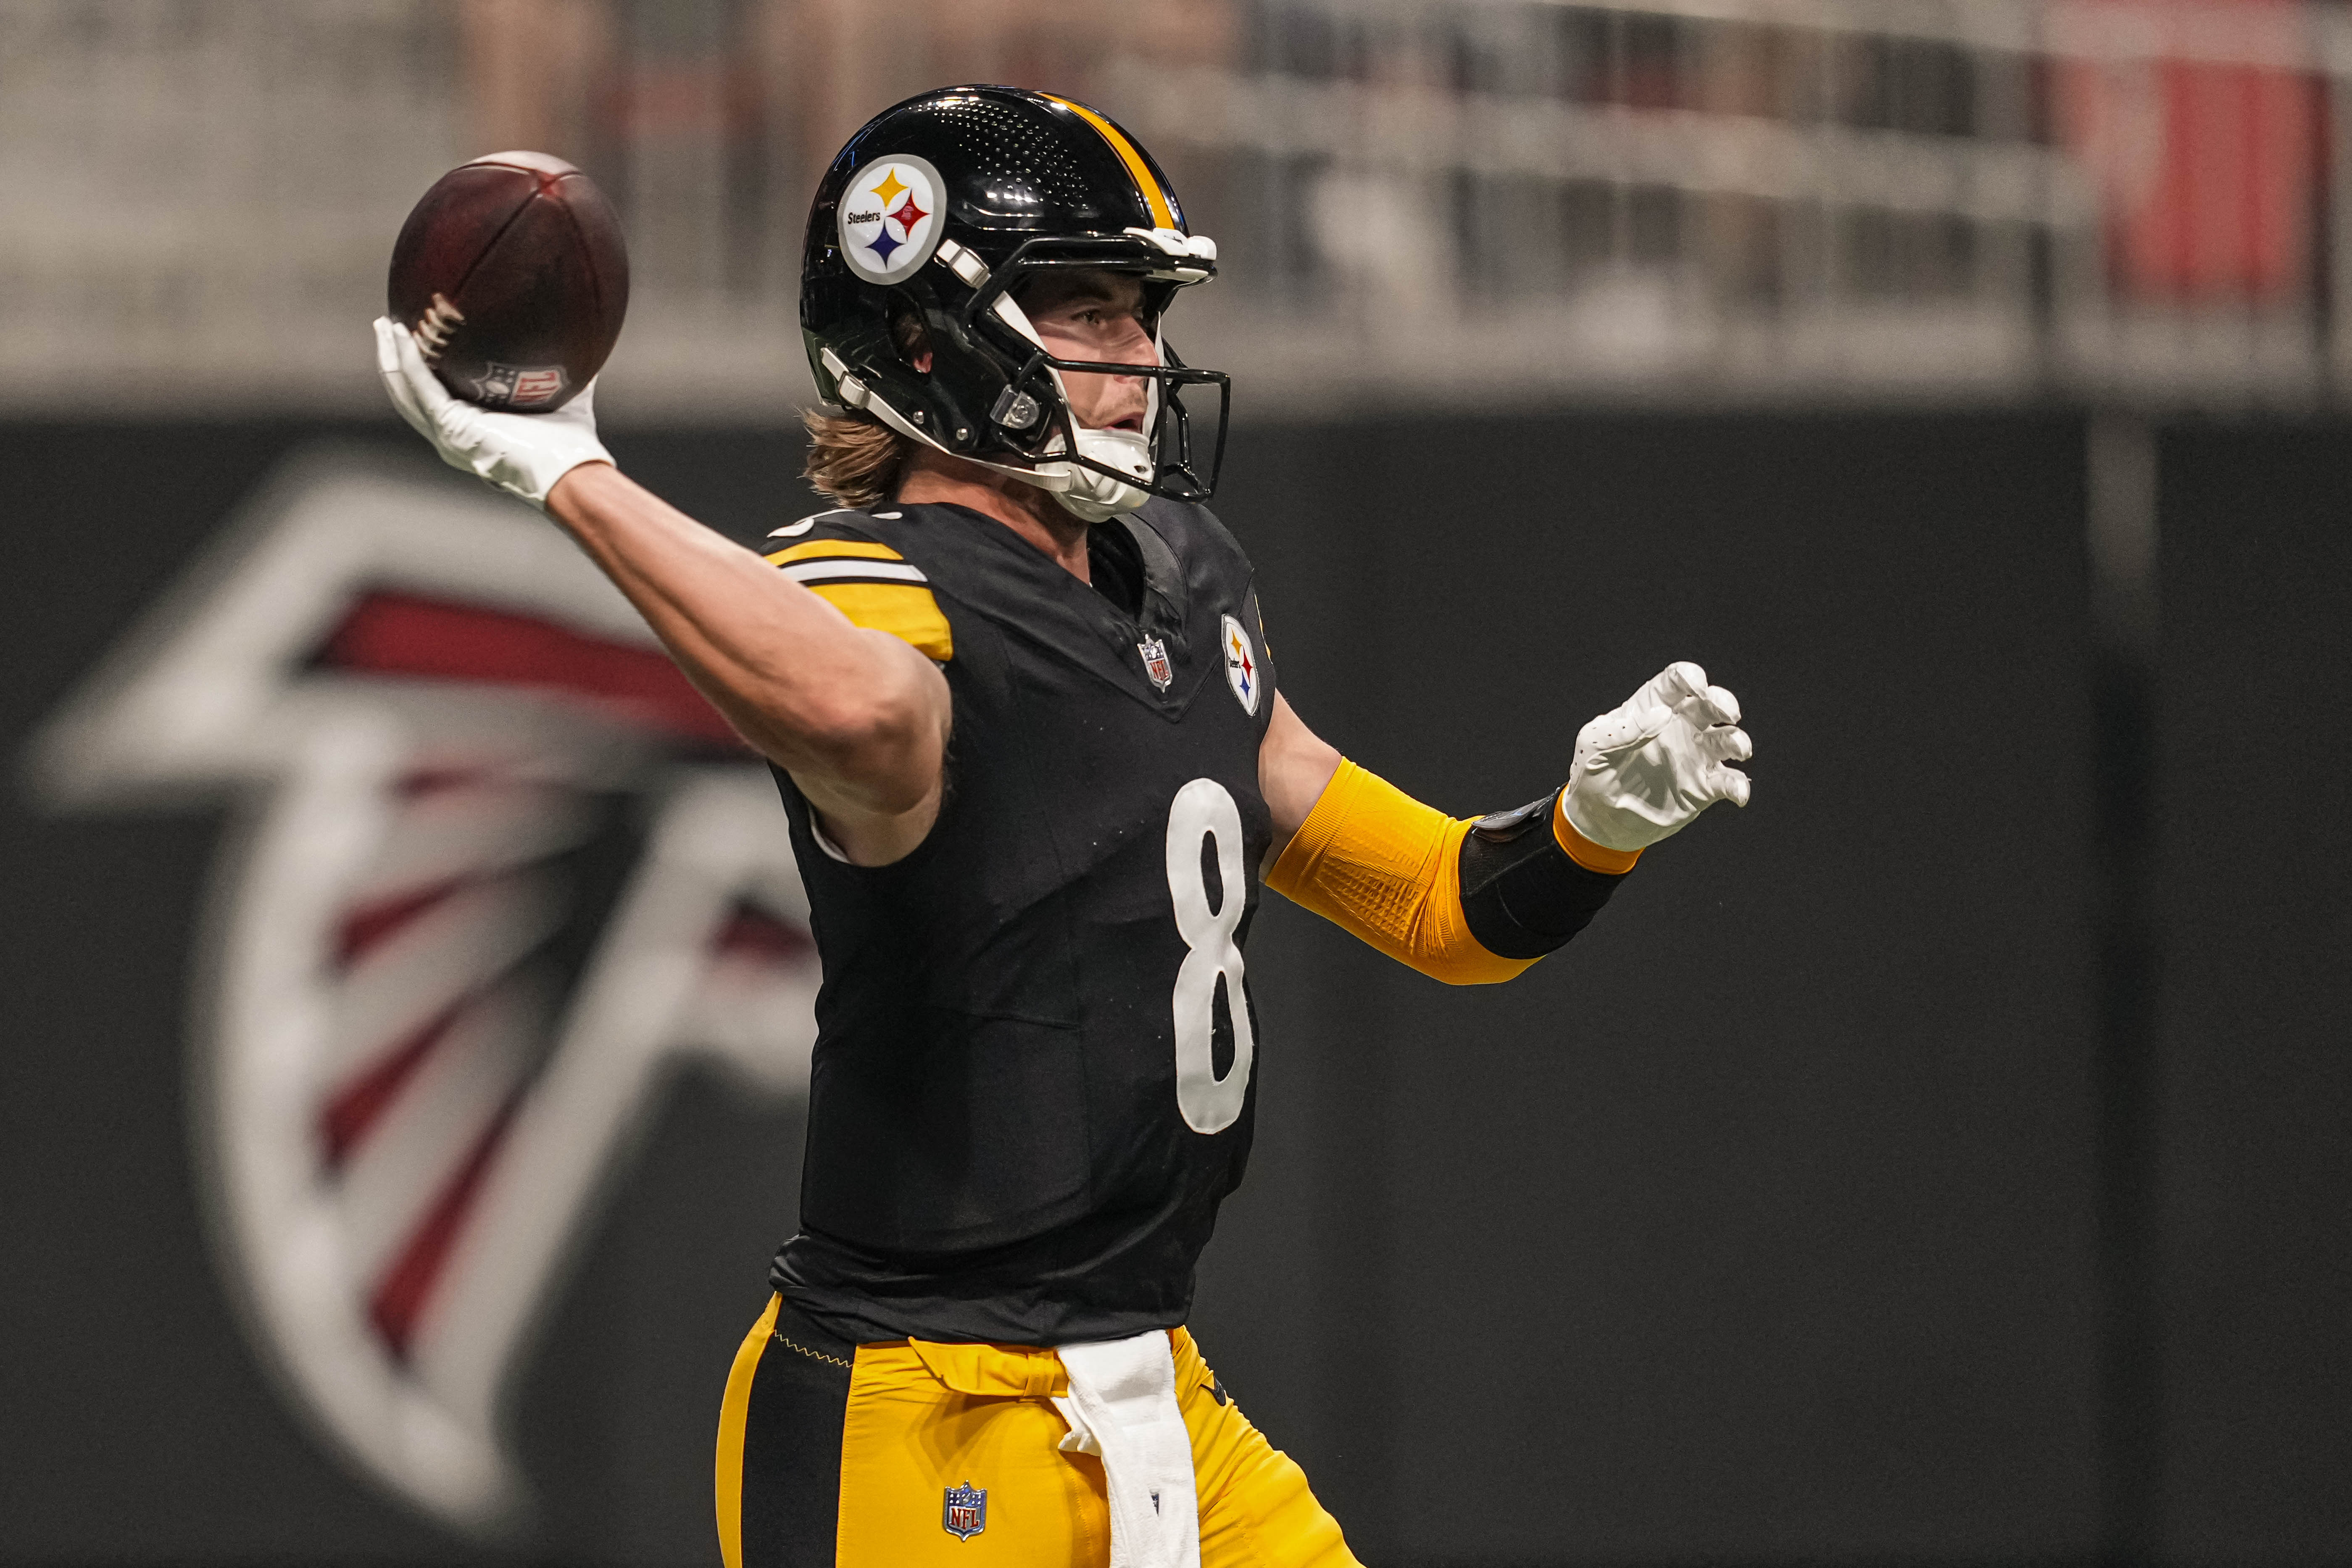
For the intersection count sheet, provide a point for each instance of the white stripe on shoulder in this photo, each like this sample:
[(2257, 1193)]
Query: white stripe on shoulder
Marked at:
[(816, 571), (795, 530)]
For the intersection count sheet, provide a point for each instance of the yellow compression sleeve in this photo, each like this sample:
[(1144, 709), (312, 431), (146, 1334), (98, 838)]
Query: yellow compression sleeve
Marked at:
[(1382, 866)]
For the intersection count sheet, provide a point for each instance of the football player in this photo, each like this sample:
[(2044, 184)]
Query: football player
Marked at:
[(1037, 762)]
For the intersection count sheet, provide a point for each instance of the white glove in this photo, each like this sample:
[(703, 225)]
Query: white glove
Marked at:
[(1646, 769), (521, 454)]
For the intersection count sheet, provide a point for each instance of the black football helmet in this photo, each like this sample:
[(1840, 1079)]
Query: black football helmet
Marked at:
[(939, 209)]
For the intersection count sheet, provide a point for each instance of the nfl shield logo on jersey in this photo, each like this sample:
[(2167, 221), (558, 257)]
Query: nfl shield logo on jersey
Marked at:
[(1241, 666), (965, 1513), (1155, 661)]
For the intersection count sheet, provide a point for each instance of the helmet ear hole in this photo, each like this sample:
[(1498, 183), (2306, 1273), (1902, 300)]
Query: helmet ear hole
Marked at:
[(909, 336)]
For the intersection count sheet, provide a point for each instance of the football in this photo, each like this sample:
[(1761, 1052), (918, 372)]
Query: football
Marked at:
[(513, 276)]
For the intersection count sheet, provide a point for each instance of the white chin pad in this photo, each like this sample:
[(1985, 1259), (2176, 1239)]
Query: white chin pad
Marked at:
[(1097, 496), (1124, 450)]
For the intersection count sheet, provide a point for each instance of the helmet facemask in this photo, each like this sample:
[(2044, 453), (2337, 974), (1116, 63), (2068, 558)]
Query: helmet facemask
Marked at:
[(1096, 473)]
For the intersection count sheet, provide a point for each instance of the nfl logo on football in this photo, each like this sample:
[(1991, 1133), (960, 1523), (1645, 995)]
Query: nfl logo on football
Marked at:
[(965, 1513), (516, 386)]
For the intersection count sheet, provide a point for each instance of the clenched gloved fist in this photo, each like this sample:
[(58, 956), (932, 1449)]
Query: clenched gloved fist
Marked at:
[(1645, 769), (521, 454)]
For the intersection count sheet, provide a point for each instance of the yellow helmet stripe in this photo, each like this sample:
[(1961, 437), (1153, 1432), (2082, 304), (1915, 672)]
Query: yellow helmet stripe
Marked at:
[(1163, 215)]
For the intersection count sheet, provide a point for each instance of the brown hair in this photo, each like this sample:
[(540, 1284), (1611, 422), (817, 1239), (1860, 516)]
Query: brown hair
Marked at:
[(853, 458)]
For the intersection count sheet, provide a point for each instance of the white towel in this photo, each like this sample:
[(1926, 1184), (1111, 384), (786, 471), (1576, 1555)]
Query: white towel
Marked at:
[(1122, 1405)]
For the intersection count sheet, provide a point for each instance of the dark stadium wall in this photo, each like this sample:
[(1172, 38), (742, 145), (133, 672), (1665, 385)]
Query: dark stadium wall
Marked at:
[(2255, 1071), (1760, 1226), (1757, 1224)]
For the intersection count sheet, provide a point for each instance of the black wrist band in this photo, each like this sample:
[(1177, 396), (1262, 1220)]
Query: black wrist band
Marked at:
[(1521, 895)]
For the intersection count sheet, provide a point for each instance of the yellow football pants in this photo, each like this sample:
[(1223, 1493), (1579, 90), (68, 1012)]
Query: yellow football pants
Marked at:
[(838, 1455)]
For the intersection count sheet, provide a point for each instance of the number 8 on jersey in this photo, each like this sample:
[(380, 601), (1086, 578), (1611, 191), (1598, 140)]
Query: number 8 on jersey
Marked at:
[(1204, 808)]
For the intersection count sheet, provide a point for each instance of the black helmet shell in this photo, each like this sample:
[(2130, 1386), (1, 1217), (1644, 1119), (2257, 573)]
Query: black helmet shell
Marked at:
[(999, 181)]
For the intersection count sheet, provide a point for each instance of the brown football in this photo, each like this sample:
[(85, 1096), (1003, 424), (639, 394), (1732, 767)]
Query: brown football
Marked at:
[(512, 273)]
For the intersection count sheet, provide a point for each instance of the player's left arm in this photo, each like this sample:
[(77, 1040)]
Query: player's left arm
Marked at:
[(1471, 902)]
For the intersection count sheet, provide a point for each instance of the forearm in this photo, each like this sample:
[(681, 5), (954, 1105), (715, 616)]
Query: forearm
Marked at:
[(1468, 903), (831, 702)]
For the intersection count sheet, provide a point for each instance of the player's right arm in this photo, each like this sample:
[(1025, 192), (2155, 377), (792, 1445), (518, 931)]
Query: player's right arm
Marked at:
[(858, 718)]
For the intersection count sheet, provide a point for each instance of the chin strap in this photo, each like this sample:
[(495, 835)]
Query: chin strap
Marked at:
[(1084, 492), (1089, 493)]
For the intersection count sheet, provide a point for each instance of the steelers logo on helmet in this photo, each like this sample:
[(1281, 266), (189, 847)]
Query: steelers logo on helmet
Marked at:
[(890, 218)]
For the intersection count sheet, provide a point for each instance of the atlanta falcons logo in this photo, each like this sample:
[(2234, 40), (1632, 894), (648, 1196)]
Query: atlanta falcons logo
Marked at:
[(441, 989)]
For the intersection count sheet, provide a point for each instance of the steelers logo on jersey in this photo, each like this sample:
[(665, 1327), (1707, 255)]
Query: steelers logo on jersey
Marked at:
[(1241, 665), (889, 218)]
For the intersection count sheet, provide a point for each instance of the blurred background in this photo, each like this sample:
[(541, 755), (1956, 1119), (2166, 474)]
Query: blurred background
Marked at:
[(1944, 1161)]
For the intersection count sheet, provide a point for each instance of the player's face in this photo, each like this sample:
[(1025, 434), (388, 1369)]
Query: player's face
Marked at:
[(1092, 315)]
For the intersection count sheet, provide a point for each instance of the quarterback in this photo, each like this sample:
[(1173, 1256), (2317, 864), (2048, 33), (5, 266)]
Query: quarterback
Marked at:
[(1037, 764)]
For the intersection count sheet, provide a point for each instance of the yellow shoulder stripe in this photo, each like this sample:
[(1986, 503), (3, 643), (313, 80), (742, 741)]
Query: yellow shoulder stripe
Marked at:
[(904, 610), (1163, 215), (848, 548)]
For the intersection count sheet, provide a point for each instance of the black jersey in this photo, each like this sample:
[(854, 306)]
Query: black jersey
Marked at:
[(1035, 1075)]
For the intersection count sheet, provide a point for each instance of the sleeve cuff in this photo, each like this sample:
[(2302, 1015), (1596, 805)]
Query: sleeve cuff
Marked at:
[(1582, 850)]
